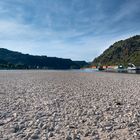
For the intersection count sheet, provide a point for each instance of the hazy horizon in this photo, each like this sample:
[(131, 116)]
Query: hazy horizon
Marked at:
[(75, 29)]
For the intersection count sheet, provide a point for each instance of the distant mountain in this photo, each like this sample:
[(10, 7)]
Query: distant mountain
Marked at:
[(81, 63), (121, 52), (17, 60)]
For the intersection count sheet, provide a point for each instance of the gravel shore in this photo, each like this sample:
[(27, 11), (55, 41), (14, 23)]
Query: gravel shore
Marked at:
[(66, 105)]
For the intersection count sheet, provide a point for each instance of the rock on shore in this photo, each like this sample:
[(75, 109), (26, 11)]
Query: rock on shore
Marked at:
[(64, 105)]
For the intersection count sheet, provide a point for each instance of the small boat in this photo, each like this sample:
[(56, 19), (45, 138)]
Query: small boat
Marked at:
[(121, 69), (100, 68), (132, 68)]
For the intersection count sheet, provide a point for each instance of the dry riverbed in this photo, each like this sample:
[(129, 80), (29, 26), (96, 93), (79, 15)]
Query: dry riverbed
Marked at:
[(63, 105)]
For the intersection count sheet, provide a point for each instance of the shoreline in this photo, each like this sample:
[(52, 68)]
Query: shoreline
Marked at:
[(61, 105)]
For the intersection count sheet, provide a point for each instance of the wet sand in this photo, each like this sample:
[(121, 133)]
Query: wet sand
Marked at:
[(64, 105)]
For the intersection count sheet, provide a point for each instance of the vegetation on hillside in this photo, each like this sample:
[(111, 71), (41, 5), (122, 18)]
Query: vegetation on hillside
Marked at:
[(15, 60), (121, 52)]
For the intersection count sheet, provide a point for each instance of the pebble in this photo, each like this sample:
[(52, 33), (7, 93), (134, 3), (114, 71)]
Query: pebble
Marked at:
[(14, 128), (69, 106), (50, 134), (1, 123), (108, 127), (34, 136)]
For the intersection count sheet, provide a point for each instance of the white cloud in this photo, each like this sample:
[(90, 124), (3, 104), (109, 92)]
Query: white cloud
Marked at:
[(127, 10), (68, 29)]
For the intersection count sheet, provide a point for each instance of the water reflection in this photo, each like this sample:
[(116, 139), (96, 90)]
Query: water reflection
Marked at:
[(134, 71), (117, 71), (88, 70)]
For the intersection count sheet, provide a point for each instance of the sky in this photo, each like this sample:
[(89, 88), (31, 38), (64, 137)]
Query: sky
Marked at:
[(76, 29)]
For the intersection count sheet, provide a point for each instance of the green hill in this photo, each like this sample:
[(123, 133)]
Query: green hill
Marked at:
[(82, 63), (121, 52), (16, 60)]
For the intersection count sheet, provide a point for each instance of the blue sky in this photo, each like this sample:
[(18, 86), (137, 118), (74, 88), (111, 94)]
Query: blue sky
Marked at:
[(76, 29)]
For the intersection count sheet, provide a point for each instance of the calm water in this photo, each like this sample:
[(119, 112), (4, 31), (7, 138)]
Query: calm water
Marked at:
[(96, 70), (86, 70)]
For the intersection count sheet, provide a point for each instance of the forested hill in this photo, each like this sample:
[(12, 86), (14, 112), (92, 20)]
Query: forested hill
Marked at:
[(16, 60), (121, 52)]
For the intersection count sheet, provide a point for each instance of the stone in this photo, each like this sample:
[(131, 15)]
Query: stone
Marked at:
[(37, 131), (34, 136), (118, 103), (50, 134), (1, 123), (108, 127), (68, 138), (44, 126), (22, 135), (14, 128), (40, 125), (87, 133), (22, 126), (30, 123), (14, 115)]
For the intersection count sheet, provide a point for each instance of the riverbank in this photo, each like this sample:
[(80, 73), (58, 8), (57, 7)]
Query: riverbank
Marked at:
[(62, 105)]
